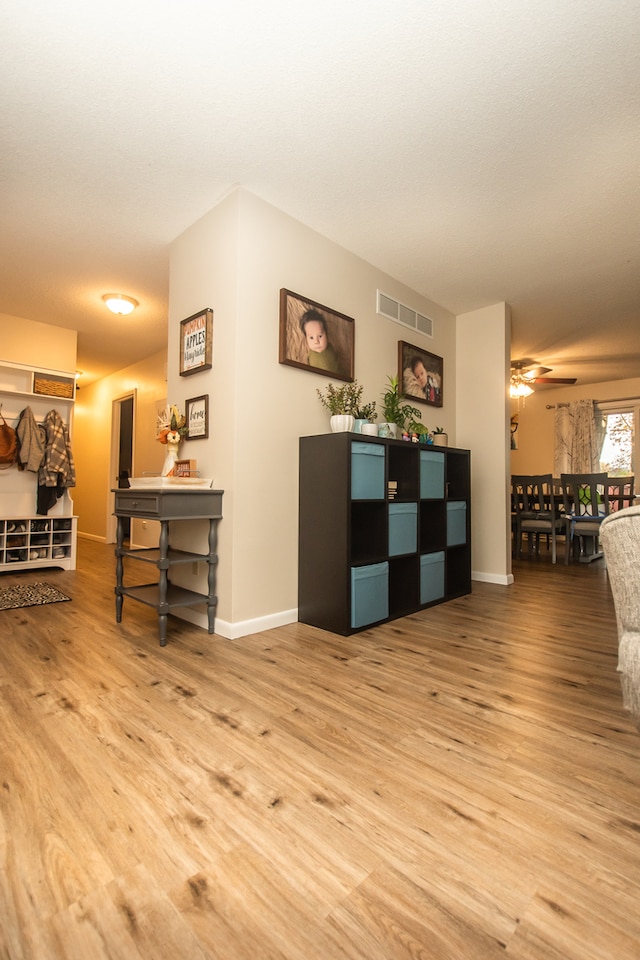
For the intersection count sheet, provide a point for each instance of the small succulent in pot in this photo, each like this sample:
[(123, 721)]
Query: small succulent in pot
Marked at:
[(367, 411), (440, 437)]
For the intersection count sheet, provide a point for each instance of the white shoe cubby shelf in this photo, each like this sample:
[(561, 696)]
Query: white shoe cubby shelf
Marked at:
[(29, 540), (38, 541)]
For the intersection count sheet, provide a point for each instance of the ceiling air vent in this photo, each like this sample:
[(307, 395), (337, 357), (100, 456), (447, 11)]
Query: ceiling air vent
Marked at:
[(401, 313)]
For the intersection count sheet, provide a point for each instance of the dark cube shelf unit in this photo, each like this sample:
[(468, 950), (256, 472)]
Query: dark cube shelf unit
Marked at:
[(384, 529)]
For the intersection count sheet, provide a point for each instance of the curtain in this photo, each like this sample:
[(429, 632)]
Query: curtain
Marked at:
[(579, 435)]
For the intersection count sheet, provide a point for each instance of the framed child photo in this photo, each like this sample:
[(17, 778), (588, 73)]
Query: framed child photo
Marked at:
[(420, 374), (315, 338)]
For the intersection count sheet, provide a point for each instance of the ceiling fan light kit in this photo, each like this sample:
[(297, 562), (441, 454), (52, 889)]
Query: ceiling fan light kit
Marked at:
[(524, 373), (518, 389)]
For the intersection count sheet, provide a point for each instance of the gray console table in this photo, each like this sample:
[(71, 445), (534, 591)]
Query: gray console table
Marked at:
[(167, 505)]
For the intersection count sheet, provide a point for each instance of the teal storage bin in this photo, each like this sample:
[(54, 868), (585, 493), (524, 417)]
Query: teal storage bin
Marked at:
[(367, 471), (403, 528), (431, 475), (369, 594), (456, 523), (432, 577)]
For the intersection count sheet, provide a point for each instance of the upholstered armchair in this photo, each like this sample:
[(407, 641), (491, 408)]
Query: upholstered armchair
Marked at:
[(620, 540)]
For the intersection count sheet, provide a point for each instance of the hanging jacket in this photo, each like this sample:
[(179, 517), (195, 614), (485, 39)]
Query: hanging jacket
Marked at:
[(57, 472), (31, 442)]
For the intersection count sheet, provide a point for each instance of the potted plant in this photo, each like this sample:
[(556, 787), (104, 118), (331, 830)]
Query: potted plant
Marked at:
[(365, 417), (342, 403), (440, 437), (419, 429), (396, 414)]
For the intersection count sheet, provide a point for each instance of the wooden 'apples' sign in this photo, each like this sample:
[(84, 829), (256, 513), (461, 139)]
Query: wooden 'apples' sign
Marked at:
[(196, 343)]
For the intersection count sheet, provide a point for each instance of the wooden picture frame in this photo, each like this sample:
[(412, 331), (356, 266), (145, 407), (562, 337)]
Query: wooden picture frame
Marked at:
[(196, 343), (420, 374), (186, 468), (316, 338), (197, 417)]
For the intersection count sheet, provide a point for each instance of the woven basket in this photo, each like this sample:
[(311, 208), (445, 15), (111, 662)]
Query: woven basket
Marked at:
[(53, 386)]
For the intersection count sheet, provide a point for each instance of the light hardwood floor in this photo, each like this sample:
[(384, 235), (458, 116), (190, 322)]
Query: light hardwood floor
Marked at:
[(462, 784)]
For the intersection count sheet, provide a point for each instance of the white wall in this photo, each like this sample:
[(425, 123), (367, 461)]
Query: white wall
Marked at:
[(38, 344), (482, 373), (96, 474), (235, 260)]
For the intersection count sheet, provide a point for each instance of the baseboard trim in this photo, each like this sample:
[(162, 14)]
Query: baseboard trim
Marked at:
[(504, 580), (243, 628), (91, 536)]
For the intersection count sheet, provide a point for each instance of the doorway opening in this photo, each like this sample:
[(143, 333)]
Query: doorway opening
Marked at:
[(122, 421)]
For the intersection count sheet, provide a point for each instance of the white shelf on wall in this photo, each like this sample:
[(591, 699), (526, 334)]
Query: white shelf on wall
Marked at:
[(27, 539)]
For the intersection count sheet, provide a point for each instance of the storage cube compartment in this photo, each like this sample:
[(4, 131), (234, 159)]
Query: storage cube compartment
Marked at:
[(456, 523), (404, 586), (458, 479), (403, 528), (458, 572), (369, 594), (404, 470), (368, 531), (433, 526), (432, 577), (367, 471), (431, 475)]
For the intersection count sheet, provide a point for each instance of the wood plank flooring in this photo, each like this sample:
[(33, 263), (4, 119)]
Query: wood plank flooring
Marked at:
[(462, 784)]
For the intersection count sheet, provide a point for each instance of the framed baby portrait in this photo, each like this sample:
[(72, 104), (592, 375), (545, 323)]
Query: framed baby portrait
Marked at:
[(420, 374), (315, 338)]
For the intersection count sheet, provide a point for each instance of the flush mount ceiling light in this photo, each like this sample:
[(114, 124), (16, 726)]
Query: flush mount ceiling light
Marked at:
[(119, 303)]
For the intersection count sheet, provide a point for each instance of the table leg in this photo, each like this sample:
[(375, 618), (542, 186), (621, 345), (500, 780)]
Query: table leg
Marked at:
[(163, 545), (212, 600), (119, 568)]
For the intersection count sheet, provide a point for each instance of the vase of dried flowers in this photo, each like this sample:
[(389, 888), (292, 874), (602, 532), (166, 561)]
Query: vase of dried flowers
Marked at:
[(171, 427)]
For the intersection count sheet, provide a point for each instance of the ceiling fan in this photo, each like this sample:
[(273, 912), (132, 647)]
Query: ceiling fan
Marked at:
[(524, 373)]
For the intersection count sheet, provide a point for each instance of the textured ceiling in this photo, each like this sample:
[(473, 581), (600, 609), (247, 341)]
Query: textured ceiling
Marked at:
[(477, 151)]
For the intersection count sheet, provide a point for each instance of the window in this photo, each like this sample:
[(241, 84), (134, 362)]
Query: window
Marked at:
[(619, 456)]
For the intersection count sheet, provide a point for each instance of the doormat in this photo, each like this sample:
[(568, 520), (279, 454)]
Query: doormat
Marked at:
[(30, 595)]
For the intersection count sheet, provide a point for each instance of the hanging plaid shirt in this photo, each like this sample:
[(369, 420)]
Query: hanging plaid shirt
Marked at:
[(58, 468)]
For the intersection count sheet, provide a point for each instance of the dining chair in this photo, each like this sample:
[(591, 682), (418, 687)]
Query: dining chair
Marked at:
[(586, 504), (620, 492), (535, 512)]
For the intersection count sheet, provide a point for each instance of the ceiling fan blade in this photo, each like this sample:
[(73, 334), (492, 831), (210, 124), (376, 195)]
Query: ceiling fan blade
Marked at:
[(528, 368), (519, 366), (555, 380)]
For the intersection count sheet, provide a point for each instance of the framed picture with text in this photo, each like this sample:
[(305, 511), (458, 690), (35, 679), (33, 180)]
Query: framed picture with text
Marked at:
[(196, 343), (197, 416)]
